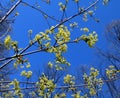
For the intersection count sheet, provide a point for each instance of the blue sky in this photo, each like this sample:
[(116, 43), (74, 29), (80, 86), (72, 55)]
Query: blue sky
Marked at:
[(78, 54)]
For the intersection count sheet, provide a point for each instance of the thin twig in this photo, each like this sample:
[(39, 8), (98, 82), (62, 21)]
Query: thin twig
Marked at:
[(40, 11), (79, 13)]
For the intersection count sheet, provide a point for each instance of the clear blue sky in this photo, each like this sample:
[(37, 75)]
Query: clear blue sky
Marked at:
[(78, 54)]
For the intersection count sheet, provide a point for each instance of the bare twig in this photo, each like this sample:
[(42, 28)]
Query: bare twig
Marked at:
[(43, 13)]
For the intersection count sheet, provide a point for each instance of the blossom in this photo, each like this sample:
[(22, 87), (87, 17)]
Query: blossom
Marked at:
[(85, 29), (7, 41)]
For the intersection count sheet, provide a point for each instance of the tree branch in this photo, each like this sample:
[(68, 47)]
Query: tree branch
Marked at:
[(10, 11), (64, 21), (58, 87)]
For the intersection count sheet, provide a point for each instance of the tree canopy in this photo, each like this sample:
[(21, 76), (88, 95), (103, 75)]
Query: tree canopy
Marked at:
[(58, 24)]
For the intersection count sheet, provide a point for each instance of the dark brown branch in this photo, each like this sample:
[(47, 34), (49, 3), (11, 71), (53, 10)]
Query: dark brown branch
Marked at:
[(6, 63), (22, 51), (22, 82), (34, 51), (10, 11)]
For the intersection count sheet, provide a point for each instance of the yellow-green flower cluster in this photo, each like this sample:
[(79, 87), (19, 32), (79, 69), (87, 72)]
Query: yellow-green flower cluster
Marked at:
[(50, 64), (69, 79), (17, 13), (77, 95), (59, 49), (50, 31), (85, 29), (74, 24), (58, 53), (8, 94), (93, 83), (85, 17), (28, 65), (37, 37), (90, 12), (58, 67), (45, 86), (63, 35), (63, 95), (111, 72), (20, 61), (92, 91), (47, 45), (43, 39), (61, 60), (16, 85), (62, 48), (62, 6), (90, 39), (8, 42), (42, 36), (27, 74), (94, 72)]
